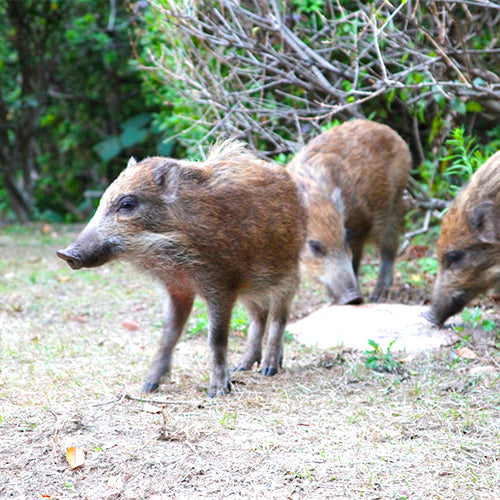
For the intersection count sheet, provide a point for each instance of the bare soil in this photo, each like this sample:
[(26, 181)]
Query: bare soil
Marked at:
[(74, 348)]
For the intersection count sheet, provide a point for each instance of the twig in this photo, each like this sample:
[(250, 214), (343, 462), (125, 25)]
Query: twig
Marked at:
[(158, 402)]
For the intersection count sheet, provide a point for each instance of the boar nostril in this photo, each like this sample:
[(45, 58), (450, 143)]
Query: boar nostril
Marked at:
[(73, 261)]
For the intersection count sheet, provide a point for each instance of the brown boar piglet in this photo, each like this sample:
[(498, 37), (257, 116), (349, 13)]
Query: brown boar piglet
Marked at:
[(326, 256), (227, 228), (468, 247), (370, 164)]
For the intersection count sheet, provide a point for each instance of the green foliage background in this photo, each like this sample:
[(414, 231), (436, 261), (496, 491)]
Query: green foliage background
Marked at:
[(83, 86)]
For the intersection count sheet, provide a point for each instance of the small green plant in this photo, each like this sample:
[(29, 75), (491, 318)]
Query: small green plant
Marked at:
[(380, 361), (200, 324), (229, 420), (239, 319), (474, 319), (415, 271), (308, 6), (428, 265), (465, 159)]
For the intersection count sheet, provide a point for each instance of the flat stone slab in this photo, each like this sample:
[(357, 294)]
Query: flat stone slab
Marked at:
[(353, 326)]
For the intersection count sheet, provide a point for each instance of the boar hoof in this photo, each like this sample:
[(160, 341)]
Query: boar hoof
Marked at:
[(269, 371), (240, 368), (150, 387), (214, 391)]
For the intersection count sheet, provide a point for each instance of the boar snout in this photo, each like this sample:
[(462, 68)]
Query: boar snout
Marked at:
[(73, 260), (441, 310), (89, 250), (341, 283), (352, 298), (431, 316)]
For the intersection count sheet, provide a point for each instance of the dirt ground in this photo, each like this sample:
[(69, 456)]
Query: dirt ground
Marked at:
[(75, 346)]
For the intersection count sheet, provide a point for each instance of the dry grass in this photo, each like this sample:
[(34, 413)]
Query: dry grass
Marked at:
[(325, 427)]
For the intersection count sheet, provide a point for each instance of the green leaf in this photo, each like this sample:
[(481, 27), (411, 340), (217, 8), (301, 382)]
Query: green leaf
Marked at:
[(138, 121), (458, 105), (132, 135), (108, 149), (473, 107), (134, 131), (165, 147)]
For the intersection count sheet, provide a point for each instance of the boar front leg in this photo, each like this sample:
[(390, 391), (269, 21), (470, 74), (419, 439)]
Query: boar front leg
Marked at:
[(177, 309), (219, 311)]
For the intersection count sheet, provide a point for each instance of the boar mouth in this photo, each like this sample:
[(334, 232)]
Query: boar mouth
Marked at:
[(438, 313), (431, 316), (76, 258), (352, 297)]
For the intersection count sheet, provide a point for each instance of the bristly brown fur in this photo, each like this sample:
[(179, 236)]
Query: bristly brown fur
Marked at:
[(231, 150)]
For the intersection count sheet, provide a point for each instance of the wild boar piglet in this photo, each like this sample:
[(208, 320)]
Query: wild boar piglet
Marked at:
[(227, 228)]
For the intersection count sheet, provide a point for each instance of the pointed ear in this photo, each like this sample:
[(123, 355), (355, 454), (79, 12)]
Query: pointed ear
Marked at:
[(166, 176), (170, 175), (131, 162), (337, 200), (483, 220)]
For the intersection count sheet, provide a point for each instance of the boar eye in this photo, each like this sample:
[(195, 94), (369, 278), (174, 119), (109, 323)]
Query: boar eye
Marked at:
[(453, 257), (317, 248), (126, 204)]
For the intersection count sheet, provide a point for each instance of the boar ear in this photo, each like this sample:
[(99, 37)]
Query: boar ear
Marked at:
[(166, 176), (483, 220), (132, 161), (337, 200), (170, 174)]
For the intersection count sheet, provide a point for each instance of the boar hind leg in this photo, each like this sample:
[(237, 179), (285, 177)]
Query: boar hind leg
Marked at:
[(273, 359), (177, 309), (219, 311), (253, 349)]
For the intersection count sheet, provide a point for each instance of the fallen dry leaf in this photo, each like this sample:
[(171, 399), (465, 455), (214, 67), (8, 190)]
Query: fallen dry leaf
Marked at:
[(130, 324), (63, 279), (79, 318), (75, 457), (482, 370), (466, 353), (47, 228), (408, 358)]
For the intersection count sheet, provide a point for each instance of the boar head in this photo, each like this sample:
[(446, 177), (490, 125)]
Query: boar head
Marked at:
[(326, 255), (134, 212), (468, 251)]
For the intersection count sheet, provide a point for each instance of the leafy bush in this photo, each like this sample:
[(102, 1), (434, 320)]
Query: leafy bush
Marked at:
[(70, 103), (275, 73)]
